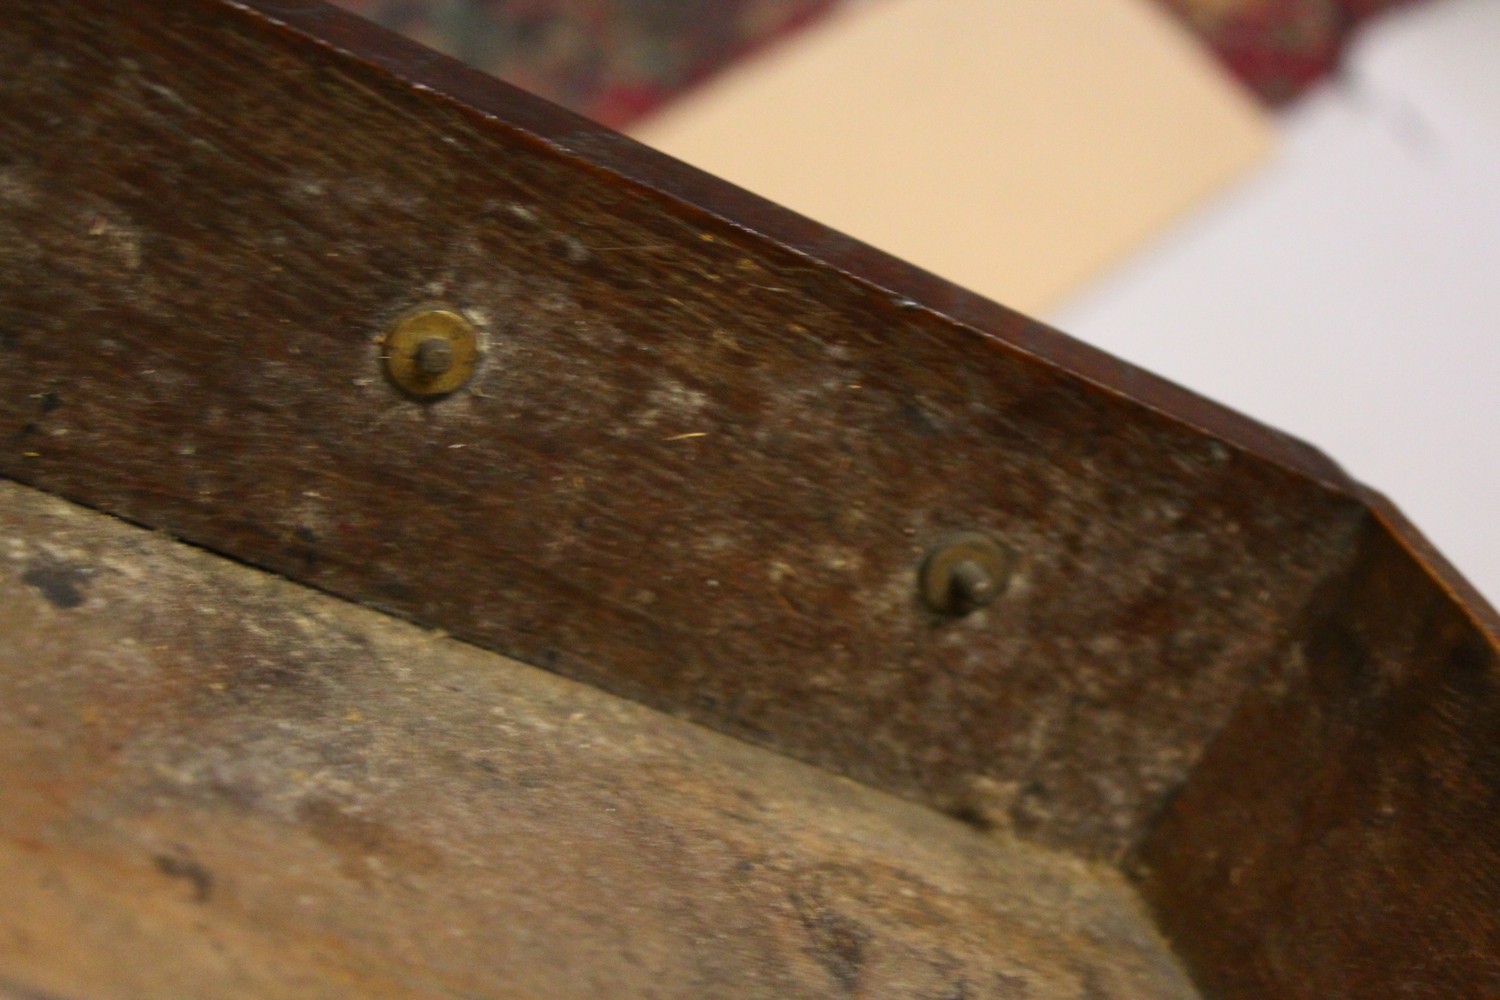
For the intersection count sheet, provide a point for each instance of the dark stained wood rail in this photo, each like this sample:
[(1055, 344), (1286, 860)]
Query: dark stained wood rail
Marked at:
[(1342, 836), (705, 451)]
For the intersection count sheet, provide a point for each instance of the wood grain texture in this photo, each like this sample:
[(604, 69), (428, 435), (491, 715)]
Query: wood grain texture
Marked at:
[(1341, 839), (704, 433), (219, 784), (706, 450)]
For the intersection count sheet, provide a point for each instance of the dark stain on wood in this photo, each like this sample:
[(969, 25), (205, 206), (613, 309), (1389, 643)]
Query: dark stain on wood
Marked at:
[(836, 941), (180, 866), (63, 585)]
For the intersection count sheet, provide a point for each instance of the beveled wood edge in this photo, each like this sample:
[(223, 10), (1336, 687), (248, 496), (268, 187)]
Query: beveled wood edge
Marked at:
[(1475, 606), (571, 136)]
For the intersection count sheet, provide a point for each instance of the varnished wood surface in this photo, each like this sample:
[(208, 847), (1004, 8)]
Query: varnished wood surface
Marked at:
[(687, 446), (220, 785)]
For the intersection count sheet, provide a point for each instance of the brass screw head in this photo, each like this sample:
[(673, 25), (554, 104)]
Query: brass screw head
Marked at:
[(965, 572), (430, 352), (434, 357)]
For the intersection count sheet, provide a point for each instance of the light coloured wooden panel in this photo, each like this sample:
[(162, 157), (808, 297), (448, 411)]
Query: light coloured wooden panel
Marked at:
[(216, 783)]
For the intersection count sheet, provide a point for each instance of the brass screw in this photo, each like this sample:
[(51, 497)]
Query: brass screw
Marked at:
[(430, 352), (435, 357), (964, 573), (972, 585)]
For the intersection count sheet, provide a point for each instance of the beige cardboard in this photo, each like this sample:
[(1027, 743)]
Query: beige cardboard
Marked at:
[(1016, 147)]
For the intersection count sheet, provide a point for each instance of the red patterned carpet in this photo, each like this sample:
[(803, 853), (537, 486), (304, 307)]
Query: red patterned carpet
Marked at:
[(615, 60)]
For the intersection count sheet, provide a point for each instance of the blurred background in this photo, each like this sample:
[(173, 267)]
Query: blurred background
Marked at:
[(1290, 206)]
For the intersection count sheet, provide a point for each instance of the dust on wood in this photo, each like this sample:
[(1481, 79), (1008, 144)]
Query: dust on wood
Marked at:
[(218, 783), (686, 445)]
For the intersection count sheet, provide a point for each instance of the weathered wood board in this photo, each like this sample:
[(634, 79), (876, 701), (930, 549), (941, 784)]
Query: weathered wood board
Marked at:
[(221, 784), (1342, 836)]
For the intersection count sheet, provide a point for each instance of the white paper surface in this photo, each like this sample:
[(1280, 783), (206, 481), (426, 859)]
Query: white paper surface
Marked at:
[(1350, 294)]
